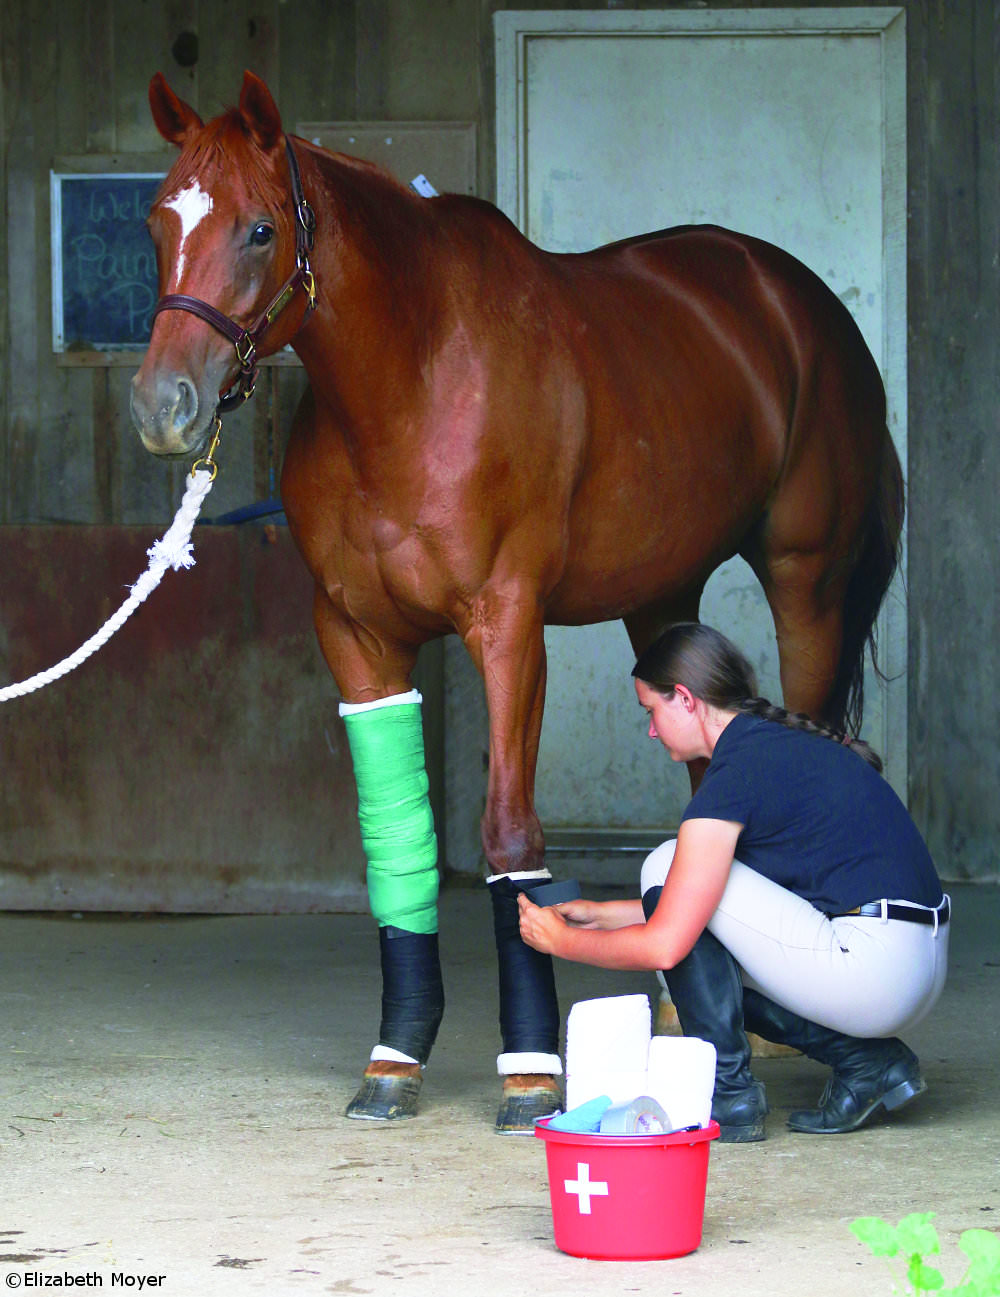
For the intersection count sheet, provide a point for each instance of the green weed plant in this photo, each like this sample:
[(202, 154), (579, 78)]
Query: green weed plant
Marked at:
[(915, 1239)]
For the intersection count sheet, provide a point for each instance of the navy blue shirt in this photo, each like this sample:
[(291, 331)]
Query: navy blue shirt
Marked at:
[(816, 818)]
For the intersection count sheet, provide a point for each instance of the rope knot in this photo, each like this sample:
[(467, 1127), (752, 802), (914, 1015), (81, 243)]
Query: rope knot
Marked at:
[(163, 554)]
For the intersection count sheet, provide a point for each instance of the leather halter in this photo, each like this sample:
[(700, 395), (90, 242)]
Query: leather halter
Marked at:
[(246, 340)]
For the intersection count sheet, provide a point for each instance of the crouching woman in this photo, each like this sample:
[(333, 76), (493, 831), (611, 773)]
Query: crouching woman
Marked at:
[(798, 901)]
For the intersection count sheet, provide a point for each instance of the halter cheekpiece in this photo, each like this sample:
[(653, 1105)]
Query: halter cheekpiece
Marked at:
[(247, 340)]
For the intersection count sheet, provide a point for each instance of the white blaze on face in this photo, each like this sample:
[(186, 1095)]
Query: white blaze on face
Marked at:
[(192, 205)]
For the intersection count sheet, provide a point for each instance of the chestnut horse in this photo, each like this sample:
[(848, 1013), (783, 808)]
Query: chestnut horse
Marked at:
[(494, 438)]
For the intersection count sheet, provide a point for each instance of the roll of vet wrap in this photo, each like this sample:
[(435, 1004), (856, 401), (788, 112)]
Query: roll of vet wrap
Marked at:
[(643, 1116), (584, 1120), (555, 893)]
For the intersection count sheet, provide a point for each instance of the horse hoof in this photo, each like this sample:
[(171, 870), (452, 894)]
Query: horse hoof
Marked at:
[(388, 1092), (524, 1098)]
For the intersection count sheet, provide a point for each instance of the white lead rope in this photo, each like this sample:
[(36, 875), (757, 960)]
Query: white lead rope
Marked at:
[(174, 549)]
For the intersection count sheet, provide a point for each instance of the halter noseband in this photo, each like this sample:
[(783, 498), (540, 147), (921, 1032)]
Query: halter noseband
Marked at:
[(246, 340)]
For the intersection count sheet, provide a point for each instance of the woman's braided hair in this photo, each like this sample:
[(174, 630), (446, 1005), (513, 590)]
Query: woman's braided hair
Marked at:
[(715, 671)]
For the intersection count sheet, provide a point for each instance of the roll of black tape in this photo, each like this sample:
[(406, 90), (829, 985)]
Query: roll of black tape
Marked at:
[(554, 893)]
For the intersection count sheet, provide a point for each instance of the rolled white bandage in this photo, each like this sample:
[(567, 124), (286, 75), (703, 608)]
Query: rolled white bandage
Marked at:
[(607, 1043), (516, 1064), (383, 1054), (522, 876), (394, 700)]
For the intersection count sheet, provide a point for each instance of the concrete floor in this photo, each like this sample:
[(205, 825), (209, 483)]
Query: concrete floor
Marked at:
[(171, 1100)]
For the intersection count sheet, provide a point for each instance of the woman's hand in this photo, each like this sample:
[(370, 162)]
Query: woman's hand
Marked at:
[(614, 934), (601, 916), (542, 926), (597, 916), (581, 913)]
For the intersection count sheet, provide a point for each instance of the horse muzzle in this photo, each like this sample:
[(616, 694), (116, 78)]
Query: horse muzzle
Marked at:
[(169, 416)]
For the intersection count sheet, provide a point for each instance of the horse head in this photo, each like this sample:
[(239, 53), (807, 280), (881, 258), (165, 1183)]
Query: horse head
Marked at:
[(231, 244)]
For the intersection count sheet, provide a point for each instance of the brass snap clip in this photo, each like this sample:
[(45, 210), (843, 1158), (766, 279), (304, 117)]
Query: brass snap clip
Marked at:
[(208, 461)]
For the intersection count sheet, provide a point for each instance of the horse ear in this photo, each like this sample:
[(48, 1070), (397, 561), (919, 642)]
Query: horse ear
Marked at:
[(175, 120), (260, 112)]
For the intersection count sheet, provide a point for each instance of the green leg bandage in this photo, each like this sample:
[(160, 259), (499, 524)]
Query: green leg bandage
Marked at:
[(397, 827)]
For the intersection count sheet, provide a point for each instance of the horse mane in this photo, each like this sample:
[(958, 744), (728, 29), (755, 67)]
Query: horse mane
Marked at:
[(369, 201)]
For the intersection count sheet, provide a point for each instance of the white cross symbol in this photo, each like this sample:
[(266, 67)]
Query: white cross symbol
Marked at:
[(585, 1188)]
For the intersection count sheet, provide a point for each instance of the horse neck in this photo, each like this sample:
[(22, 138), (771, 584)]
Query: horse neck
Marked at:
[(376, 316)]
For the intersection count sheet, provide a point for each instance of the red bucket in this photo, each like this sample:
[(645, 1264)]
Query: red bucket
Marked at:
[(627, 1197)]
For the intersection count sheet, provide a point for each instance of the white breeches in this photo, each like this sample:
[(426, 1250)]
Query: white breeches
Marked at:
[(863, 976)]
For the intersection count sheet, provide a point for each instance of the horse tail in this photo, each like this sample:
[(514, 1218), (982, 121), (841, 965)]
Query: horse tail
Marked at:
[(873, 570)]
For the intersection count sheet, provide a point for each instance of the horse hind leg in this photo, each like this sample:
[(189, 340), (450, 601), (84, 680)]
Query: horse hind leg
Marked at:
[(829, 546), (866, 589), (825, 598), (808, 627), (648, 623), (808, 612), (645, 625)]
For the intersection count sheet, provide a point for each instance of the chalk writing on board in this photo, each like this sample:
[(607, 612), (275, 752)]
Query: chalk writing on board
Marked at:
[(104, 281)]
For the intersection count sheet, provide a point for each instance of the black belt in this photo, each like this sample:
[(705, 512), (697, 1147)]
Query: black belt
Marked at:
[(874, 910)]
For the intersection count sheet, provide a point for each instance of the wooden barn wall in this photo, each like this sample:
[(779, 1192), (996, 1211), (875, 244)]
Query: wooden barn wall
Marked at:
[(74, 79)]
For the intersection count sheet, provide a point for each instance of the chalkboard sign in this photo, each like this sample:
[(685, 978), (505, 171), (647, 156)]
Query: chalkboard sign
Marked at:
[(104, 281)]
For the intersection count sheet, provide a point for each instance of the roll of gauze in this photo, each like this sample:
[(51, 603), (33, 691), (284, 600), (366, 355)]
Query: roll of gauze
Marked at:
[(613, 1032), (681, 1078), (607, 1045)]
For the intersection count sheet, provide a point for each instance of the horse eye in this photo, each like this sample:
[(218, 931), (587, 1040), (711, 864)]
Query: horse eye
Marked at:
[(262, 235)]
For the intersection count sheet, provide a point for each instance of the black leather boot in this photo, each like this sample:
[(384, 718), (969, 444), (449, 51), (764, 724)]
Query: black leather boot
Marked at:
[(868, 1075), (708, 995)]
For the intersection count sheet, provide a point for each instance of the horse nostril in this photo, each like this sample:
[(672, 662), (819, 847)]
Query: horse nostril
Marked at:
[(185, 405), (164, 412)]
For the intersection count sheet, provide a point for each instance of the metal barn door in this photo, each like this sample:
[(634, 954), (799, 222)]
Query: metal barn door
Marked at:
[(785, 124)]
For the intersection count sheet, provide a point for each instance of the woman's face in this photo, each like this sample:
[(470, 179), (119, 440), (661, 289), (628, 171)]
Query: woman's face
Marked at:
[(672, 720)]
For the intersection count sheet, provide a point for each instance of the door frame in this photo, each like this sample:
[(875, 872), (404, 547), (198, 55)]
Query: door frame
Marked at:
[(514, 32)]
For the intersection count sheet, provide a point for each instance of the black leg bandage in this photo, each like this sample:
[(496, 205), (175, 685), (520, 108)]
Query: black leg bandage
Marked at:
[(529, 1008), (412, 991)]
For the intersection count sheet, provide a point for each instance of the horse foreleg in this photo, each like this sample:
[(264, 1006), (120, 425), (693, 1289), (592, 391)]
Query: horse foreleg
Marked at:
[(397, 830), (383, 722), (510, 653), (529, 1061)]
